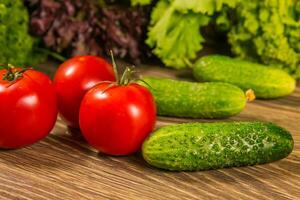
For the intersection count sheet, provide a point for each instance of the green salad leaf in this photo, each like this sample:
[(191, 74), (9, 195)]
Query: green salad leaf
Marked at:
[(268, 32), (15, 42), (174, 33), (175, 36), (204, 6)]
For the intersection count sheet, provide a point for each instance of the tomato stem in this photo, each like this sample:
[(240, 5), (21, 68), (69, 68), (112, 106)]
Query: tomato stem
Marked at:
[(127, 76), (114, 66), (12, 73), (250, 95)]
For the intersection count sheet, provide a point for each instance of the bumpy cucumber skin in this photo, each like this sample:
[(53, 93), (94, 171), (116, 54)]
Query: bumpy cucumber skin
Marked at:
[(195, 100), (206, 146), (267, 82)]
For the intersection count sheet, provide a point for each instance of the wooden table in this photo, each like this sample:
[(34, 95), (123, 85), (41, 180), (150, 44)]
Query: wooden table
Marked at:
[(63, 166)]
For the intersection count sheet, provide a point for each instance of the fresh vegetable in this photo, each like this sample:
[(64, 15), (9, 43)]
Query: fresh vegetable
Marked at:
[(115, 118), (174, 32), (82, 27), (74, 78), (263, 31), (89, 27), (28, 107), (268, 32), (260, 30), (205, 146), (195, 100), (16, 43), (266, 82)]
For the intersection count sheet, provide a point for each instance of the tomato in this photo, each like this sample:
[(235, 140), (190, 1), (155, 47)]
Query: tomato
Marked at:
[(73, 79), (116, 119), (28, 107)]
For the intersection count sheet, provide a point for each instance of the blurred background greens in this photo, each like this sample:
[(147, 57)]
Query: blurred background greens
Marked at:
[(174, 32)]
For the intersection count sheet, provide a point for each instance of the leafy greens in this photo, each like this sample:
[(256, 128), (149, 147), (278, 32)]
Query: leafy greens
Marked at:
[(174, 32), (268, 31), (15, 41)]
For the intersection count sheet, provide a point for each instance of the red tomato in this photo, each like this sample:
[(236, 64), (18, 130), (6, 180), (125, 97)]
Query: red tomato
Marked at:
[(117, 120), (28, 109), (73, 79)]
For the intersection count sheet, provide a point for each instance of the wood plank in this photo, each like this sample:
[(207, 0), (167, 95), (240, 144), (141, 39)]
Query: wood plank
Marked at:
[(63, 166)]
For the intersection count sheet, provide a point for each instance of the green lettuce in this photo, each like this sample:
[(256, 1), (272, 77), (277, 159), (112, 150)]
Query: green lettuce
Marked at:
[(15, 41), (268, 31), (174, 33), (203, 6), (175, 36)]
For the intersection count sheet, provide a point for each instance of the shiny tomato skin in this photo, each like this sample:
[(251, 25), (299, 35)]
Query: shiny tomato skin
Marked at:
[(118, 120), (73, 79), (28, 109)]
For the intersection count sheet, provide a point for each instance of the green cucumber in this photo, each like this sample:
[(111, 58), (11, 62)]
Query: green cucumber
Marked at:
[(205, 146), (267, 82), (195, 100)]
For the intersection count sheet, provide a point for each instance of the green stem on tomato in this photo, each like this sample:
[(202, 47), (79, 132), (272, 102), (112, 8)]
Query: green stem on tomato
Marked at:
[(12, 74), (125, 77), (115, 67)]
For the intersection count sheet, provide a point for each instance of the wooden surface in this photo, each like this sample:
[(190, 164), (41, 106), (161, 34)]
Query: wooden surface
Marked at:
[(62, 166)]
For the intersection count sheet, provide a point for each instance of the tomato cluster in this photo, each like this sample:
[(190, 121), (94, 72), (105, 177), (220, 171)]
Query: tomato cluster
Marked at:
[(114, 114), (73, 79)]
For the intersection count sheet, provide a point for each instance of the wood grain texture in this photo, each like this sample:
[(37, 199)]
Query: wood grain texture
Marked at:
[(63, 166)]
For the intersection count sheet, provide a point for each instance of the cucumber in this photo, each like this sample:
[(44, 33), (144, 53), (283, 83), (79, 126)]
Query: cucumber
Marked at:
[(195, 100), (205, 146), (267, 82)]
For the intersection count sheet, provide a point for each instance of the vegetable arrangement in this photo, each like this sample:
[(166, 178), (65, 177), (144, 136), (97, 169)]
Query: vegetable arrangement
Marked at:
[(117, 113), (175, 31)]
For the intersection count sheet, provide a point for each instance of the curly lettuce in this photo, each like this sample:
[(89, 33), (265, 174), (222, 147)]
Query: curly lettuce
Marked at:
[(175, 36), (268, 31), (15, 40), (204, 6), (174, 33)]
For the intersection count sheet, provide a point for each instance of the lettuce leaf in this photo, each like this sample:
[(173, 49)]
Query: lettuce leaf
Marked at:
[(268, 32), (175, 36), (15, 40), (174, 33), (17, 45), (203, 6)]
